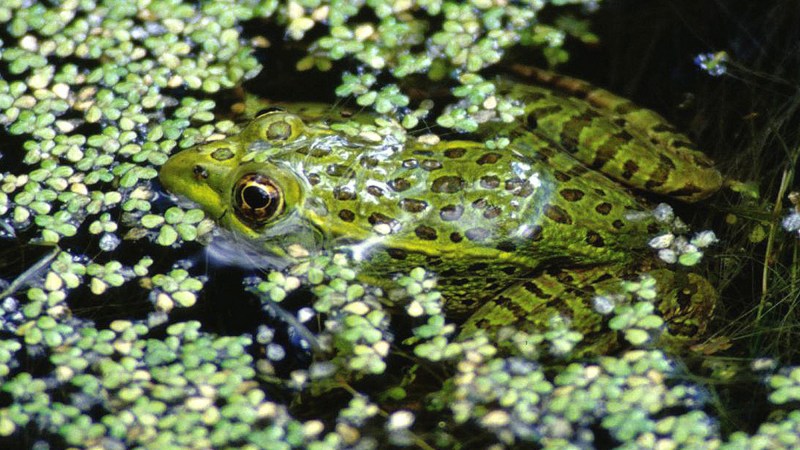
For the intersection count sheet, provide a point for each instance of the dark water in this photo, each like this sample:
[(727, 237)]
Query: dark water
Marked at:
[(747, 120)]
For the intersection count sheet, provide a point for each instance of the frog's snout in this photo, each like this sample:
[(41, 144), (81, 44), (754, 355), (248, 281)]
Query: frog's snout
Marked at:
[(177, 172)]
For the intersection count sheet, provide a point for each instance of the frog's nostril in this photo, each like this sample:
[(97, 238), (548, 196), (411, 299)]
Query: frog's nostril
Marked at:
[(200, 172)]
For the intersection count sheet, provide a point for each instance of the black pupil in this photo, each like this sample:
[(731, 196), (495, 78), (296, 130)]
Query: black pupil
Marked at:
[(256, 197)]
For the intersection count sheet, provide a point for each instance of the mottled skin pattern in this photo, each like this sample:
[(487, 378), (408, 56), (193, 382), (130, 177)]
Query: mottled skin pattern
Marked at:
[(516, 233)]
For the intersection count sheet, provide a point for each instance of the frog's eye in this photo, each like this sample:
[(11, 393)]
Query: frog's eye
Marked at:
[(257, 199)]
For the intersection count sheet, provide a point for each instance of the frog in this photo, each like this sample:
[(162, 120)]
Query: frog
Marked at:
[(515, 235)]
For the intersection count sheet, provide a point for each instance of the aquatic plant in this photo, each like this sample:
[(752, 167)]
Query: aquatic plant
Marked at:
[(94, 97)]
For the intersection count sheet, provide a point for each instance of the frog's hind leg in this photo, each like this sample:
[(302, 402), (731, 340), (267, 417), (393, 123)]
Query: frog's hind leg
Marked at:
[(685, 301), (631, 144), (532, 305)]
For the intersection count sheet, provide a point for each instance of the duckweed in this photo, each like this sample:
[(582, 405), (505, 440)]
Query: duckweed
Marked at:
[(95, 96)]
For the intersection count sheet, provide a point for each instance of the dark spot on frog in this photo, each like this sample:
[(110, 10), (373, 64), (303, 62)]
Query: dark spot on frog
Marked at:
[(564, 276), (546, 110), (683, 144), (489, 158), (557, 214), (477, 234), (484, 324), (456, 237), (410, 164), (600, 192), (660, 175), (455, 153), (313, 179), (447, 184), (339, 170), (626, 108), (478, 267), (620, 122), (618, 224), (433, 261), (279, 131), (431, 164), (375, 191), (369, 162), (682, 329), (571, 195), (631, 168), (534, 289), (662, 128), (490, 182), (396, 253), (561, 176), (687, 189), (594, 239), (603, 208), (447, 273), (413, 205), (479, 203), (568, 138), (544, 153), (450, 213), (344, 193), (378, 218), (534, 96), (531, 122), (425, 233), (317, 152), (702, 161), (492, 212), (506, 246), (603, 277), (509, 270), (399, 184), (578, 170), (608, 150), (347, 215), (533, 233), (199, 172), (222, 154), (519, 187)]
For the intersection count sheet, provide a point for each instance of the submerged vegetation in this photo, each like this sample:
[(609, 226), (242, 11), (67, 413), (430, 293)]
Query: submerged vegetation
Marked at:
[(111, 330)]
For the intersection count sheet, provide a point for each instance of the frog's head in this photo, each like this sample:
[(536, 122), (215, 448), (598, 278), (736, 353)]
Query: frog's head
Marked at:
[(201, 174), (257, 200)]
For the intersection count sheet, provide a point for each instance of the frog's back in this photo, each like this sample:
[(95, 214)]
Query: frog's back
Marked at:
[(528, 203)]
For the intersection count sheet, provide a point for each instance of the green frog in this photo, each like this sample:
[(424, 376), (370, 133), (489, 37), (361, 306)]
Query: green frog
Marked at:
[(515, 235)]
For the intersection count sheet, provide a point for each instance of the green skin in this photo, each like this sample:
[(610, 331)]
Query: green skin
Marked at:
[(514, 234)]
